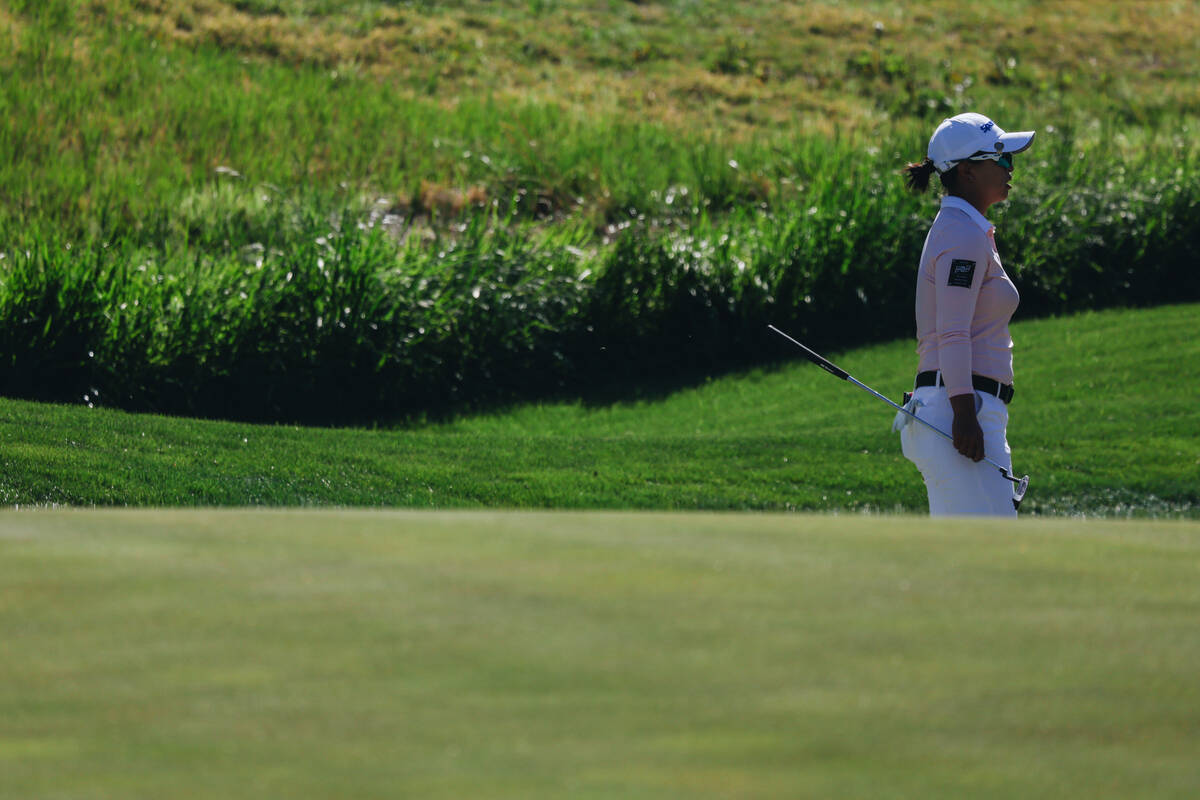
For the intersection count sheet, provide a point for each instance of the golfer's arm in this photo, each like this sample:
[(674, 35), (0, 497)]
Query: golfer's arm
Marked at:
[(956, 303)]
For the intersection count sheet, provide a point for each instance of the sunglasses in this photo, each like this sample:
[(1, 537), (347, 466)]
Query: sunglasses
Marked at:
[(1003, 159)]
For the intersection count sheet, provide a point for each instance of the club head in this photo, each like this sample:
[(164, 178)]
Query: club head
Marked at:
[(1019, 486), (1019, 489)]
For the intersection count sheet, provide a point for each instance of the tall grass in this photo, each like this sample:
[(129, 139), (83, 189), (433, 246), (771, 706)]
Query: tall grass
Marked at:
[(341, 322), (254, 304)]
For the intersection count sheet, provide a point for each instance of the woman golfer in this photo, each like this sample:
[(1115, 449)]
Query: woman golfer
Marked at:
[(964, 302)]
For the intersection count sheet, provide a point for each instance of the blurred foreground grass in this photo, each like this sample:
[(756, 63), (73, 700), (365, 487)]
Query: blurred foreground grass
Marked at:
[(492, 655)]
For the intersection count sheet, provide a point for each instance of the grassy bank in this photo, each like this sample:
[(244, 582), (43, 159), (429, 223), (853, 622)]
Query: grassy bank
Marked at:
[(577, 105), (235, 654), (1102, 422), (336, 213)]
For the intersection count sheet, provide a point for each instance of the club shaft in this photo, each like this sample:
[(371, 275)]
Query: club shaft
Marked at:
[(838, 372)]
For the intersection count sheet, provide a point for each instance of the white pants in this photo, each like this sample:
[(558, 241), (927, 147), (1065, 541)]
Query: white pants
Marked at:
[(956, 484)]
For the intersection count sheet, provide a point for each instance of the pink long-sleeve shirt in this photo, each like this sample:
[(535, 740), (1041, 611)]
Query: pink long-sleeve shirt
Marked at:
[(964, 300)]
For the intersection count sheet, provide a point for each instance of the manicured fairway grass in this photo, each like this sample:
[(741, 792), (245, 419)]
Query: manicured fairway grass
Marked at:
[(228, 654), (1105, 420)]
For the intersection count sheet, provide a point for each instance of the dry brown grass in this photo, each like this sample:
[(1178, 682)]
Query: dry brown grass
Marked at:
[(447, 201), (793, 64), (730, 74)]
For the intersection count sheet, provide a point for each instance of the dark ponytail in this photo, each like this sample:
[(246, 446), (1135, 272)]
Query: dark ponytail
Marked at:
[(917, 175)]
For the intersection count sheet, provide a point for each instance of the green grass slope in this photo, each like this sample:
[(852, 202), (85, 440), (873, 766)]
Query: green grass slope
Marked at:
[(442, 104), (1105, 421), (300, 210), (504, 655)]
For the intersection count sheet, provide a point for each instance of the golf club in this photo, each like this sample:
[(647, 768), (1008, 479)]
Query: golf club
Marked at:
[(1022, 483)]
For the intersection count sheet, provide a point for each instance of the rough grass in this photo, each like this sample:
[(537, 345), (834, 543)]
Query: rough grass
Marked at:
[(235, 654), (742, 65), (246, 302)]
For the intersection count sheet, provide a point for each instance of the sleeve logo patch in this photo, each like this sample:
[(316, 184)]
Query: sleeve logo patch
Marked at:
[(962, 273)]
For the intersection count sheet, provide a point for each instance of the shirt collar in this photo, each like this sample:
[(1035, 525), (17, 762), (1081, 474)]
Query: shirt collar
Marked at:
[(950, 201)]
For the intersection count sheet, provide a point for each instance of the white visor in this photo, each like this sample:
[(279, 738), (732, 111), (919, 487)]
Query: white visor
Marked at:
[(971, 134)]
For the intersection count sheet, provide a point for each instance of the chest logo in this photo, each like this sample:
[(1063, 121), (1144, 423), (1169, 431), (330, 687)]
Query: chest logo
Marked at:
[(962, 273)]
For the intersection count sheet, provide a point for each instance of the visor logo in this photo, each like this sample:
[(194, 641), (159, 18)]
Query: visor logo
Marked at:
[(987, 127)]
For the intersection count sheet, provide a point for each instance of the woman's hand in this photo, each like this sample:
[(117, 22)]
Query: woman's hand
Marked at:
[(968, 436)]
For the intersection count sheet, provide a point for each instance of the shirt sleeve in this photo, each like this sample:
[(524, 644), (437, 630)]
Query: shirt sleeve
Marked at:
[(958, 273)]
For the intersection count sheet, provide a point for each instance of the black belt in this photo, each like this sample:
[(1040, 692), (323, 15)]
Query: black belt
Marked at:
[(993, 387)]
